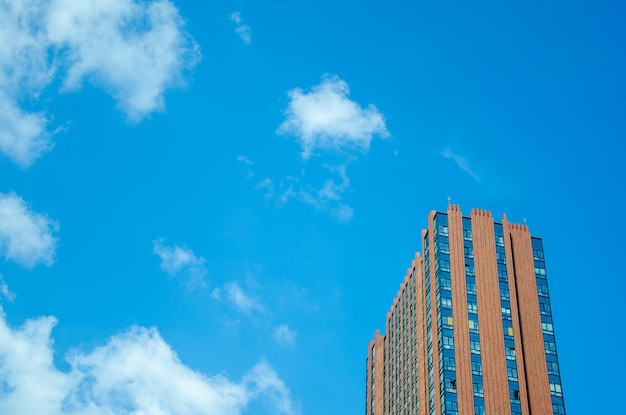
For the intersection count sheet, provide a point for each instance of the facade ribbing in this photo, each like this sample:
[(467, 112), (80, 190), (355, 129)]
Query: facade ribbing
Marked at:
[(470, 330)]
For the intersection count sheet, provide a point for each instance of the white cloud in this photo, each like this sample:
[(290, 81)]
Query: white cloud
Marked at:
[(180, 261), (241, 300), (26, 237), (268, 185), (325, 118), (283, 334), (134, 373), (328, 198), (245, 160), (135, 50), (24, 71), (243, 30), (461, 162), (5, 292)]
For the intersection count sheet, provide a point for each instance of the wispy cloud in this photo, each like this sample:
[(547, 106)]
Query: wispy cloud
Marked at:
[(325, 118), (132, 49), (327, 198), (266, 184), (240, 299), (5, 292), (283, 334), (179, 261), (243, 30), (134, 372), (26, 237), (245, 160), (461, 162)]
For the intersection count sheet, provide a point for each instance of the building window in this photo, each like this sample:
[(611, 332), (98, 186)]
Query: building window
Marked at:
[(448, 363), (499, 240), (477, 368), (508, 331), (469, 270), (475, 347), (558, 409), (448, 342), (451, 385), (547, 328), (479, 410), (553, 368), (506, 313), (502, 275), (515, 396), (472, 307), (510, 353), (469, 251), (478, 390), (550, 347), (451, 405), (511, 373), (544, 308), (444, 265), (540, 271), (555, 389), (471, 288), (542, 290), (537, 255), (445, 284), (501, 257), (473, 325), (504, 294), (444, 247), (467, 234), (442, 230), (446, 302)]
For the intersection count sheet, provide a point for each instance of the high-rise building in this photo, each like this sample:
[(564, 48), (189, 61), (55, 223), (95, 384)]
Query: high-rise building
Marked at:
[(470, 331)]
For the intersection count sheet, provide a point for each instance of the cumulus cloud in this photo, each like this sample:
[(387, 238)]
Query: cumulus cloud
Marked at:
[(135, 372), (24, 71), (283, 334), (243, 30), (135, 50), (241, 300), (461, 162), (179, 261), (326, 119), (26, 237)]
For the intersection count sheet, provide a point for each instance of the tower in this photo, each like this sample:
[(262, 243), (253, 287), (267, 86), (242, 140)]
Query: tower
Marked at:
[(470, 331)]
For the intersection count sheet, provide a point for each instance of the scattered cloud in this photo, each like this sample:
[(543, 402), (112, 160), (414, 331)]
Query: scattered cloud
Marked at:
[(283, 334), (326, 119), (243, 30), (268, 185), (461, 162), (25, 71), (26, 237), (241, 300), (328, 198), (135, 372), (5, 292), (244, 160), (135, 50), (179, 261)]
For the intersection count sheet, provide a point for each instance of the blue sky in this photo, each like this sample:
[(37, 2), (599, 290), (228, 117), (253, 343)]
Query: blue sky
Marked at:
[(215, 202)]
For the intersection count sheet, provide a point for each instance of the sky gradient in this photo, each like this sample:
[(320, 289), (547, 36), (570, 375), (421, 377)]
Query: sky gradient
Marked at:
[(208, 207)]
